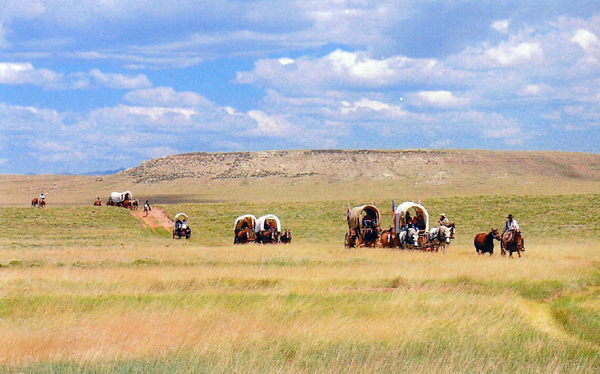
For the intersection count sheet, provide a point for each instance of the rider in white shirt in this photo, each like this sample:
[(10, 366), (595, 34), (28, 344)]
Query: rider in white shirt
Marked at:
[(511, 224)]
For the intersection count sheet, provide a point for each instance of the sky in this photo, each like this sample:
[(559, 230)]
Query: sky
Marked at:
[(96, 85)]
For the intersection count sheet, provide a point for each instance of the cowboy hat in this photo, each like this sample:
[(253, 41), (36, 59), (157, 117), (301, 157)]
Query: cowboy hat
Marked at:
[(509, 216)]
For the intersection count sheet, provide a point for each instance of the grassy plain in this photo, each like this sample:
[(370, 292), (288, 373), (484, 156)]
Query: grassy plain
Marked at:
[(87, 289)]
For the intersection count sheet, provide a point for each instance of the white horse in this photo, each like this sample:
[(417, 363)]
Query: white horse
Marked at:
[(441, 236), (409, 237)]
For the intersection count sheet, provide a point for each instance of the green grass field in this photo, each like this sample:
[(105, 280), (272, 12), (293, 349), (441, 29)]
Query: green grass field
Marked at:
[(87, 289)]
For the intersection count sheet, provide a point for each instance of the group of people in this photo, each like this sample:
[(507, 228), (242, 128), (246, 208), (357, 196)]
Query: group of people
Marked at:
[(417, 222)]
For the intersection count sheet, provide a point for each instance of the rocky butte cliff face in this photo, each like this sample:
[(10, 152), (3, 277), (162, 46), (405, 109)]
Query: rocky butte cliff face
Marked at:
[(352, 164)]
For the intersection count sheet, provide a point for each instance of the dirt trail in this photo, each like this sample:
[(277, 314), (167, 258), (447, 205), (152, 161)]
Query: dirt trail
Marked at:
[(155, 218)]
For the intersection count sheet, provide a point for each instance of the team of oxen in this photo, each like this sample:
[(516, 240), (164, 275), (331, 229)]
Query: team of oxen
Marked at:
[(411, 230)]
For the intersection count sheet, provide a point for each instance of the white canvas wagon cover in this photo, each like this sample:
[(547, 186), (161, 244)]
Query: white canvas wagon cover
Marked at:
[(269, 218), (402, 209), (181, 217), (119, 197), (356, 214), (249, 219)]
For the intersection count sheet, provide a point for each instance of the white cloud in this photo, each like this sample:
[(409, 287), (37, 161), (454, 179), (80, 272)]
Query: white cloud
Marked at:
[(501, 26), (119, 80), (166, 96), (25, 73), (441, 99), (342, 69), (508, 54), (269, 125), (585, 39), (371, 105)]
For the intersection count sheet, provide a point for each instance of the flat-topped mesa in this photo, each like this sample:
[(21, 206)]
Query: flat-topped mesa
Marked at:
[(353, 164)]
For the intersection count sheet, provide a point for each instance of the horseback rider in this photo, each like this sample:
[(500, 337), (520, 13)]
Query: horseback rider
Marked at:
[(510, 226), (42, 197), (443, 221)]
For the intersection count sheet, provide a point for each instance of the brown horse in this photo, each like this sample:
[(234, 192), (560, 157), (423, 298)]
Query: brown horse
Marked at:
[(135, 204), (98, 202), (512, 241), (41, 203), (484, 243), (389, 238), (244, 236), (286, 237), (270, 236), (351, 240), (369, 236), (126, 204), (34, 202)]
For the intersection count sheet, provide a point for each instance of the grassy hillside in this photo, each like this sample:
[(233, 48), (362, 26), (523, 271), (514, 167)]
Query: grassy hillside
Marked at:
[(87, 289)]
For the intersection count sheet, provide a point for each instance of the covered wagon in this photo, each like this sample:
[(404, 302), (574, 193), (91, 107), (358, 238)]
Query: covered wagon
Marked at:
[(411, 223), (363, 226), (119, 198), (268, 229), (243, 229), (181, 226)]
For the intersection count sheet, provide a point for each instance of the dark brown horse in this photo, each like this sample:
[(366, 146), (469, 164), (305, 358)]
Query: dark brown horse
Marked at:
[(512, 241), (270, 236), (484, 243), (244, 236), (369, 236), (351, 240), (34, 202), (286, 237), (135, 204), (98, 202)]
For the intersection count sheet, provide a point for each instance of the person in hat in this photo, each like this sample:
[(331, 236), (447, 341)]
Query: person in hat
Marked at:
[(443, 221), (511, 224)]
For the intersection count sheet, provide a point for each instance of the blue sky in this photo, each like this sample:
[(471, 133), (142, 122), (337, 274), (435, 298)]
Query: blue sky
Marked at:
[(92, 85)]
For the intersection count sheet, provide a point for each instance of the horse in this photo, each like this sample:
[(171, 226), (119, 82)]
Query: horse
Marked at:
[(126, 204), (351, 240), (408, 238), (269, 236), (244, 236), (441, 236), (286, 237), (484, 243), (41, 203), (389, 238), (34, 202), (134, 204), (98, 202), (110, 202), (369, 236), (512, 241)]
